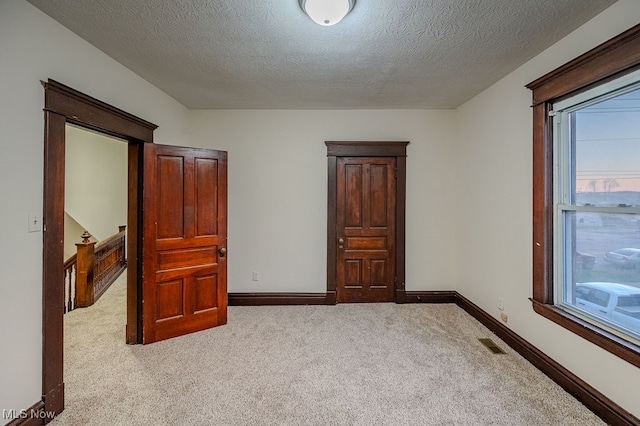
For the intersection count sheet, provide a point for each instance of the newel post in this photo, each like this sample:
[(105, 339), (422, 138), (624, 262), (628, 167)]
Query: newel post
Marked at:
[(84, 278)]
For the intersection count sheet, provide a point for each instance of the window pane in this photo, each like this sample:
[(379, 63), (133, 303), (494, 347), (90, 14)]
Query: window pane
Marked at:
[(602, 266), (606, 152)]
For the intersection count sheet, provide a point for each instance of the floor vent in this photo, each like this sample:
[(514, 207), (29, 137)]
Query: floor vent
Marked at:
[(491, 345)]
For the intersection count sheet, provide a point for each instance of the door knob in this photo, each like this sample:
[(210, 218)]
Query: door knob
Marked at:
[(340, 243), (223, 252)]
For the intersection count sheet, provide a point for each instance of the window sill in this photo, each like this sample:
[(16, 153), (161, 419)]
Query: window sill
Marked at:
[(607, 341)]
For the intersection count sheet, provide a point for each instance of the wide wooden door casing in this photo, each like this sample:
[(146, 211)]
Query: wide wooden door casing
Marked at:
[(184, 268), (366, 234)]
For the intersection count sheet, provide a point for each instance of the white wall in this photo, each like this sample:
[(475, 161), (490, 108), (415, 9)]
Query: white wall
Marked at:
[(278, 191), (33, 47), (96, 171), (494, 203), (72, 232)]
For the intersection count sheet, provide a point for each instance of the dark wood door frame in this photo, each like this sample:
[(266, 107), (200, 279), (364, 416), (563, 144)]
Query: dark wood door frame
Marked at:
[(65, 105), (367, 149)]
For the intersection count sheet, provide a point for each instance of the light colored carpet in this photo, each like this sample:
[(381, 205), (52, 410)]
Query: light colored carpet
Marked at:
[(374, 364)]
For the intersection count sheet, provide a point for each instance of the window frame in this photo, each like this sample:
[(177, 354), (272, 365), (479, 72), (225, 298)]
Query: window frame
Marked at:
[(566, 206), (609, 61)]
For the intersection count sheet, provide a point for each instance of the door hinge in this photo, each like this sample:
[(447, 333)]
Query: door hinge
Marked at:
[(552, 113)]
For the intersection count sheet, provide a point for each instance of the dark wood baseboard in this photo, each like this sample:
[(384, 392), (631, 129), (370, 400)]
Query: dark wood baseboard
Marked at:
[(54, 401), (430, 297), (262, 299), (602, 406), (329, 298), (32, 416)]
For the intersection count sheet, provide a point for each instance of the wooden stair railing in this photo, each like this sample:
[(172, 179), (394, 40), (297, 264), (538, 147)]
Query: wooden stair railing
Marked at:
[(94, 267), (109, 261)]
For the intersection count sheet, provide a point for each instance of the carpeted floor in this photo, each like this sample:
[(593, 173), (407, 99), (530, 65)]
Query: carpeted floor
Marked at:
[(373, 364)]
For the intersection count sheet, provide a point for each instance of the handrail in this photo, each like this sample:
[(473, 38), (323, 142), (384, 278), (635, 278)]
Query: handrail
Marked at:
[(71, 261), (113, 238)]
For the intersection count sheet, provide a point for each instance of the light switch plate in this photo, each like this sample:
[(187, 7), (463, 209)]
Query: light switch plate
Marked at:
[(34, 222)]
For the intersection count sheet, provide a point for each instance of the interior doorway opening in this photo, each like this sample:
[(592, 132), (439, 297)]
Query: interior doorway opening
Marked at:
[(95, 214), (64, 106)]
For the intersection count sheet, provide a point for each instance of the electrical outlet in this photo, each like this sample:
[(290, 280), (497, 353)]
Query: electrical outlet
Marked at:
[(504, 317), (501, 303), (255, 276)]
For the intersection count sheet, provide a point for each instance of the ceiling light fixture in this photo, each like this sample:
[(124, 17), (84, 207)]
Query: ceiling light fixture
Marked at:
[(327, 12)]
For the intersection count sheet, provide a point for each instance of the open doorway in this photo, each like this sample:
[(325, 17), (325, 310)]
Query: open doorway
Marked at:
[(95, 205), (95, 214), (64, 106)]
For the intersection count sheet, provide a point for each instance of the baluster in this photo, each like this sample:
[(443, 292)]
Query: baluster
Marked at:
[(72, 286), (69, 275), (67, 290)]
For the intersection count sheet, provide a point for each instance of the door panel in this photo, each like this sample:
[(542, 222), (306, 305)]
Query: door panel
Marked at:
[(354, 203), (379, 196), (206, 196), (170, 178), (366, 206), (184, 283)]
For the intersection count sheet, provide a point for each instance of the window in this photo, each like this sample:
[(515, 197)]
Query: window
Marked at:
[(596, 151), (586, 195)]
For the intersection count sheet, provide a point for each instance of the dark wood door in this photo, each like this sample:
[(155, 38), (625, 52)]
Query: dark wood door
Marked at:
[(184, 283), (366, 234)]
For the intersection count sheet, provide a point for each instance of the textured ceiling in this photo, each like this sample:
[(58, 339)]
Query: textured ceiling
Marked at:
[(238, 54)]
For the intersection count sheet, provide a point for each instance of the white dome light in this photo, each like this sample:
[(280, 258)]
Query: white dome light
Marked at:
[(327, 12)]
